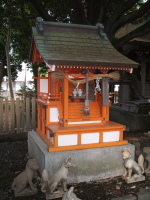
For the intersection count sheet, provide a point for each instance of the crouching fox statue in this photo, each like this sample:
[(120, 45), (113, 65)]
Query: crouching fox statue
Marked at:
[(133, 170), (24, 178), (50, 184)]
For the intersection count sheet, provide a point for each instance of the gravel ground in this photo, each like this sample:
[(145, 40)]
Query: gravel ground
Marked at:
[(14, 155)]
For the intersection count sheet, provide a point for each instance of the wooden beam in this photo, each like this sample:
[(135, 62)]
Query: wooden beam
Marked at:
[(105, 91), (65, 92)]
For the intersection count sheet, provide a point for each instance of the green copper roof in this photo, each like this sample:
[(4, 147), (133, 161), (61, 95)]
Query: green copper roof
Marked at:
[(71, 44)]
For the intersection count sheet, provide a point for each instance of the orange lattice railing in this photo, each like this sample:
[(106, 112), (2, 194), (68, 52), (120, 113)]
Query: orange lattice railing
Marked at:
[(49, 97)]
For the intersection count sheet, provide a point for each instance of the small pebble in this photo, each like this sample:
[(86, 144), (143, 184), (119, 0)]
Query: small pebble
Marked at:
[(133, 187), (117, 187)]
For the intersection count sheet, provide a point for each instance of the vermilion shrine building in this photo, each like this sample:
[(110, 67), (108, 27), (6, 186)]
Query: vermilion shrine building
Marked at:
[(68, 50)]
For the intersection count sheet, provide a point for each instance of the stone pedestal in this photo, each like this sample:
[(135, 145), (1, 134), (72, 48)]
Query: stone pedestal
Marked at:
[(134, 179), (91, 164), (55, 195), (25, 192)]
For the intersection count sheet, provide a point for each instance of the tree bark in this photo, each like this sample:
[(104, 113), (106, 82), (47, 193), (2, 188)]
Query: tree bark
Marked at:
[(3, 63), (35, 74), (102, 13), (141, 31), (131, 17), (136, 33), (78, 7), (41, 10), (7, 49), (93, 11), (122, 8)]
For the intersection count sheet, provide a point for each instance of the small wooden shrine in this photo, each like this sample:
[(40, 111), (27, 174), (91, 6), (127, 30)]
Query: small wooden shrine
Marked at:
[(73, 101)]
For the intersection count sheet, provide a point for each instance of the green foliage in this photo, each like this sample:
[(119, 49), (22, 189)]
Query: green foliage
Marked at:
[(22, 92), (21, 17)]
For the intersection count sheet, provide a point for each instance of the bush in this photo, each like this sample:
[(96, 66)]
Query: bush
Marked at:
[(24, 91)]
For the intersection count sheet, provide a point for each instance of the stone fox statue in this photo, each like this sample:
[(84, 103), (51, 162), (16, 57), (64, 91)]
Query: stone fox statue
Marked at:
[(70, 195), (146, 153), (50, 185), (25, 177), (131, 165)]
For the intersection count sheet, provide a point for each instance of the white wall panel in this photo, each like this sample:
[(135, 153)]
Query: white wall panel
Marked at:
[(85, 122), (44, 85), (67, 140), (54, 115), (90, 138), (111, 136)]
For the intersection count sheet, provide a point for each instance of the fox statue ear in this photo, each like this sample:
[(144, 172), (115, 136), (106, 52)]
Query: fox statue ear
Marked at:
[(129, 151), (67, 159), (122, 150)]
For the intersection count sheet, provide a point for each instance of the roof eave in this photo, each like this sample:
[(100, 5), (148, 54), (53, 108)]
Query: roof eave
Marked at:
[(89, 63)]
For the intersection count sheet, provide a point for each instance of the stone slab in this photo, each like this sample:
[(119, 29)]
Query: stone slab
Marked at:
[(144, 194), (25, 192), (91, 164), (54, 195), (126, 197)]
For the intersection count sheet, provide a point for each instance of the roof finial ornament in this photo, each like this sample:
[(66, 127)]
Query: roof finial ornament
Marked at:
[(101, 31), (39, 24)]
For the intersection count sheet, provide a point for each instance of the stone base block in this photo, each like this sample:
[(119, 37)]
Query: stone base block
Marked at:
[(54, 195), (91, 164), (147, 173), (126, 197), (143, 194), (133, 179), (25, 192)]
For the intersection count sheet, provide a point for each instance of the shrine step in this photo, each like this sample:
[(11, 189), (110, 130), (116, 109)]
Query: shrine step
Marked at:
[(76, 113)]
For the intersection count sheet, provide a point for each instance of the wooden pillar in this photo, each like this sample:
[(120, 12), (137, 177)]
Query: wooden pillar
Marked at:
[(43, 120), (49, 82), (105, 97), (52, 86), (65, 92), (112, 91), (38, 117), (143, 72), (105, 91)]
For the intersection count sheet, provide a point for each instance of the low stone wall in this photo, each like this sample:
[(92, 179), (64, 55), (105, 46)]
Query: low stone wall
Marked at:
[(133, 122)]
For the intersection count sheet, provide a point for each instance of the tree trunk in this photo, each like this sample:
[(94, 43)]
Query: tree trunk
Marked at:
[(3, 63), (35, 74), (7, 49)]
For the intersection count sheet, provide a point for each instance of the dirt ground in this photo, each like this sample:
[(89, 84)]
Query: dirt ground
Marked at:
[(14, 155)]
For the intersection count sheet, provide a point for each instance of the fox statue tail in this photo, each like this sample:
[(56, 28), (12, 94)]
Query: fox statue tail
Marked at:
[(45, 178), (141, 162)]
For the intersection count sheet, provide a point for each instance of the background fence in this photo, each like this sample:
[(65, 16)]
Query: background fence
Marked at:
[(18, 115)]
